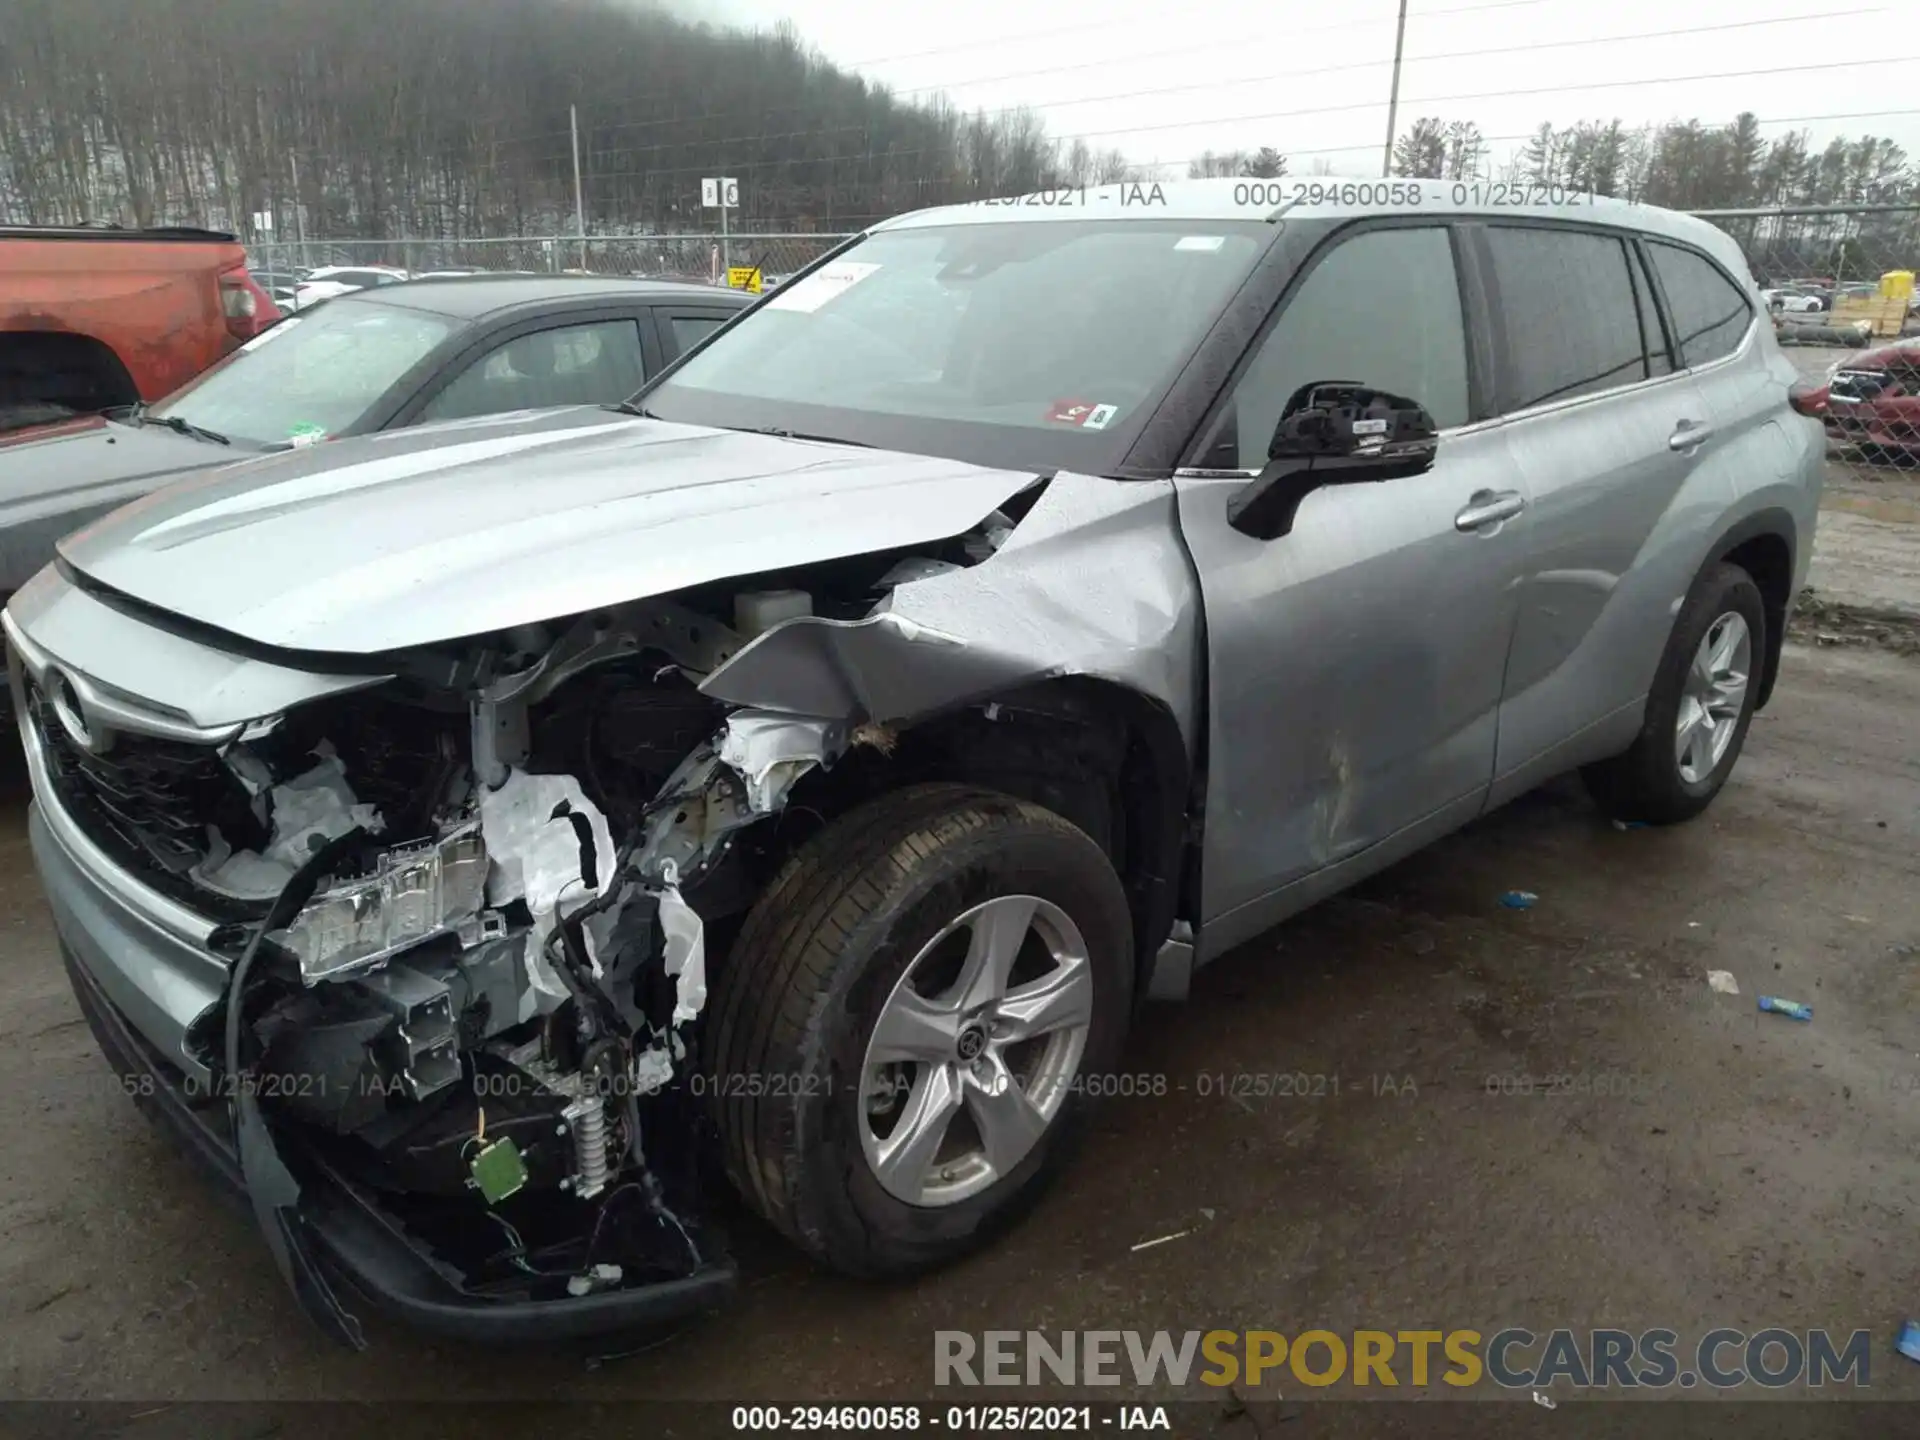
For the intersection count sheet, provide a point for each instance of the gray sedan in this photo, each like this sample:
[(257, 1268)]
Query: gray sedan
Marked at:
[(367, 361)]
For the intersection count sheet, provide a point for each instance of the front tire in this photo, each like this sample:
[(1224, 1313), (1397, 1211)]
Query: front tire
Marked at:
[(902, 1039), (1699, 709)]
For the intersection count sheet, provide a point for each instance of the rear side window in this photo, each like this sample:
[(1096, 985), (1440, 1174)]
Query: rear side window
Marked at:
[(690, 330), (1568, 311), (1710, 315)]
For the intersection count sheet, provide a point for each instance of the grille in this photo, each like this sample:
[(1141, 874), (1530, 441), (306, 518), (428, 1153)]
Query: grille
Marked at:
[(148, 802), (1858, 385)]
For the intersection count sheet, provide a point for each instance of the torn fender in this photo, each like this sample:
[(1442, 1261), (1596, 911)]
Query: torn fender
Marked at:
[(1094, 581)]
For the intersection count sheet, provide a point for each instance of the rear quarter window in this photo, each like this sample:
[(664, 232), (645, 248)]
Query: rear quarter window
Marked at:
[(1710, 313)]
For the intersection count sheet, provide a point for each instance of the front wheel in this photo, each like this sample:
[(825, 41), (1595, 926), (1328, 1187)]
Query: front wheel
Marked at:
[(1698, 710), (903, 1039)]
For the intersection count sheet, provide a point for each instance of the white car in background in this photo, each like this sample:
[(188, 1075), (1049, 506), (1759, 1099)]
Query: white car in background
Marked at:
[(1794, 302), (331, 280)]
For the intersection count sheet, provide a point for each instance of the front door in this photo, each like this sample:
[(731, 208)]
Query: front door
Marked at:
[(1354, 665)]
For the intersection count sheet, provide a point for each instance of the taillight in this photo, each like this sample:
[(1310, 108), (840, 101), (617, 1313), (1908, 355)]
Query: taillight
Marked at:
[(247, 311), (1807, 398)]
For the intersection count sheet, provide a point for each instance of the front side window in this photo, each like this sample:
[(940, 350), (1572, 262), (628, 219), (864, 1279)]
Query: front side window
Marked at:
[(1381, 309), (314, 374), (1030, 343), (570, 365), (1567, 308), (1710, 314)]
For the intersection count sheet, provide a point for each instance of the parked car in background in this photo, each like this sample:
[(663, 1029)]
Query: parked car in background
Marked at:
[(1871, 401), (330, 280), (97, 317), (1794, 302), (280, 284), (812, 767), (359, 362)]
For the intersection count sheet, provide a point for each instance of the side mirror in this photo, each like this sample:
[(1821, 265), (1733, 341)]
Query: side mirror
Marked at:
[(1332, 432)]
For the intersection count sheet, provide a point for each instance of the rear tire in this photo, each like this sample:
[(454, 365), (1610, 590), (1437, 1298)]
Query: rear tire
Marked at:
[(798, 1097), (1669, 776)]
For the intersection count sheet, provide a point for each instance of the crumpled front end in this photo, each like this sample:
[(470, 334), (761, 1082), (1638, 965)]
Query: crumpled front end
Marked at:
[(479, 1023), (421, 941)]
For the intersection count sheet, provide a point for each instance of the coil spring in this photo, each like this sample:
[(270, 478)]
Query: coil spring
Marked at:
[(588, 1117)]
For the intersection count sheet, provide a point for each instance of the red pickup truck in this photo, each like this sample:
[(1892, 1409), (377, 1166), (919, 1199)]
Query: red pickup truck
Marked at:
[(96, 317)]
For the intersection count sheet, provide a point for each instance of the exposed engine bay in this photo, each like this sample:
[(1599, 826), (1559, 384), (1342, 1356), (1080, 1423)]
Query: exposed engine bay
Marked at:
[(487, 1012)]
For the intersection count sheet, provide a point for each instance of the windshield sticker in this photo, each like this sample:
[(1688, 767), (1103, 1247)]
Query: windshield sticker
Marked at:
[(1100, 417), (827, 283), (1200, 242), (301, 436), (1071, 412)]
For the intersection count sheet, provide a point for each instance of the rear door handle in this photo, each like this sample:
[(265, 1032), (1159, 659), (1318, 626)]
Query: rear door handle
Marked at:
[(1689, 434), (1489, 507)]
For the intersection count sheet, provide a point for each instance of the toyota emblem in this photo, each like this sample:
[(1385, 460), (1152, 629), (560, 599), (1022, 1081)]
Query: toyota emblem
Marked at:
[(68, 710)]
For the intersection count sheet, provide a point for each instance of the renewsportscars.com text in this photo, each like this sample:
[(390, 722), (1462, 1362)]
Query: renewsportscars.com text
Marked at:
[(1514, 1358)]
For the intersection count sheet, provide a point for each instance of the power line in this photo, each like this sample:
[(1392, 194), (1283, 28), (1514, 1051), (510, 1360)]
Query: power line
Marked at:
[(814, 132), (1080, 29), (1314, 71), (1446, 55), (1291, 34), (1421, 59), (1496, 95)]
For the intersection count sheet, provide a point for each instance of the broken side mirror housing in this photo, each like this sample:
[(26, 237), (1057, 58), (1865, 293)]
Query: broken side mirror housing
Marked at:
[(1332, 432)]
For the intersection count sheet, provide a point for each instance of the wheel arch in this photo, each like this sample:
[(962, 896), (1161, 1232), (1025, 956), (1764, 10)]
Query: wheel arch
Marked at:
[(111, 382), (1107, 757), (1765, 545)]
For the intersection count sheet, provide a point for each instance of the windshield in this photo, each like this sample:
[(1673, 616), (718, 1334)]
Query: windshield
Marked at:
[(1043, 344), (313, 375)]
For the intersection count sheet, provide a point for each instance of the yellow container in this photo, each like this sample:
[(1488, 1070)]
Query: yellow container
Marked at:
[(1896, 285)]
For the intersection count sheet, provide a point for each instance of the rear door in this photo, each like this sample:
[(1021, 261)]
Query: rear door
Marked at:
[(682, 326), (1354, 665), (1607, 432)]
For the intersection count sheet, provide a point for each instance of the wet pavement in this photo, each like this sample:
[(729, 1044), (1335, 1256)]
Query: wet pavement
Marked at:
[(1433, 1158)]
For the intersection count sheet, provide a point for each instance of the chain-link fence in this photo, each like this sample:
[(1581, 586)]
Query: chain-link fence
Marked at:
[(1840, 283), (704, 259)]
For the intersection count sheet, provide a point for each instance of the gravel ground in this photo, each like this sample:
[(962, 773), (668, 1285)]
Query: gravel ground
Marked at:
[(1741, 1170)]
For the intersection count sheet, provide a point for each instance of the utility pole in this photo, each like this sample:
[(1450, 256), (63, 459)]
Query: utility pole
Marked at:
[(1393, 96), (299, 210), (579, 205)]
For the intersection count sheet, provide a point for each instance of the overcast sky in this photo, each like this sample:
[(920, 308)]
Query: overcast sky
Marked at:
[(1166, 82)]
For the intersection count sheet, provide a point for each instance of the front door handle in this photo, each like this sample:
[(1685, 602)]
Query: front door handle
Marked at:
[(1489, 507), (1688, 434)]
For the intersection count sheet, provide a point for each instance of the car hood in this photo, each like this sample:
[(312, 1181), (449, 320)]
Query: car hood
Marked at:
[(438, 532), (1883, 358), (73, 463)]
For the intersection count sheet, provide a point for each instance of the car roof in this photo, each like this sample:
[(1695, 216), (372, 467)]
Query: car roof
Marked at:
[(1326, 197), (469, 297)]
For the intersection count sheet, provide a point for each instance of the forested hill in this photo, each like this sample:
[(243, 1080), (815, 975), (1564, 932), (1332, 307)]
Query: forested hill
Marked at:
[(451, 117)]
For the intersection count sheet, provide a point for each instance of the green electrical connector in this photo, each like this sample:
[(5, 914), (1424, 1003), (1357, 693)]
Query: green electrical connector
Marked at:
[(498, 1171)]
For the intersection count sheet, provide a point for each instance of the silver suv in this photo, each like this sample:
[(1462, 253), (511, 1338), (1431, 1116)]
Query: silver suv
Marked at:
[(466, 834)]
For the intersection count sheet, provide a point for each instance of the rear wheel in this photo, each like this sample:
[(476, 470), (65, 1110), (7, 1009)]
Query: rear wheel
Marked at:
[(1699, 709), (906, 1034)]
